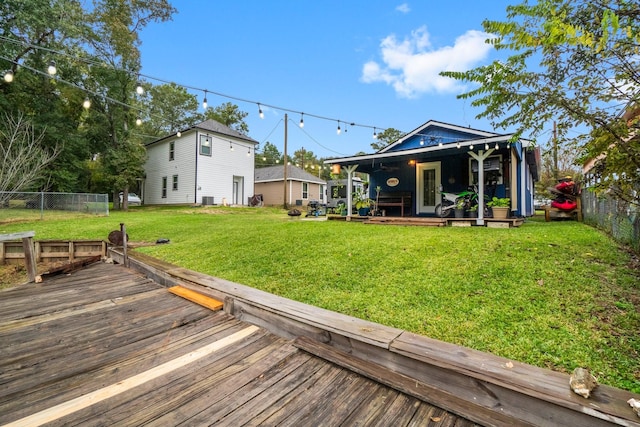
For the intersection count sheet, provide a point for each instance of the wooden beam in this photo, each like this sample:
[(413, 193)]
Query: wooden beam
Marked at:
[(30, 258), (198, 298)]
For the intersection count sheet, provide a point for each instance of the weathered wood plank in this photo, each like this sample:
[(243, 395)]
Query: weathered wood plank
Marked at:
[(373, 333), (114, 389), (196, 297), (404, 383), (521, 391), (16, 236)]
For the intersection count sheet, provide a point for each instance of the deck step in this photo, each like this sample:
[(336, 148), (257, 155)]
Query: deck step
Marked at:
[(198, 298)]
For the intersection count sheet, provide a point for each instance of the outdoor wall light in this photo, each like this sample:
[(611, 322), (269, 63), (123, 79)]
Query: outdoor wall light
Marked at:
[(335, 169), (412, 162)]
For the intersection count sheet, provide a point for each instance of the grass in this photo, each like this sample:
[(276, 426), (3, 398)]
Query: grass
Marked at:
[(557, 295)]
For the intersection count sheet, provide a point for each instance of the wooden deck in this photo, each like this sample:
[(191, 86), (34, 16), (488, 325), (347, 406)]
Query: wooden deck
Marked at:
[(108, 346)]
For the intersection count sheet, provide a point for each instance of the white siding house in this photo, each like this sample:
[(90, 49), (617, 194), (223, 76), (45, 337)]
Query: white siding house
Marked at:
[(208, 163)]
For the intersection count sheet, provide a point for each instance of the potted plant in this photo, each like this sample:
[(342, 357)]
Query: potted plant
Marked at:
[(459, 208), (499, 206), (362, 203), (473, 211)]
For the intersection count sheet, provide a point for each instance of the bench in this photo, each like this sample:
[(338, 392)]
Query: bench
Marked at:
[(401, 199)]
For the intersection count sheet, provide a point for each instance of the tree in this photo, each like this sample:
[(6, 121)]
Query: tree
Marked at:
[(23, 158), (229, 115), (270, 156), (386, 137), (166, 109), (573, 62)]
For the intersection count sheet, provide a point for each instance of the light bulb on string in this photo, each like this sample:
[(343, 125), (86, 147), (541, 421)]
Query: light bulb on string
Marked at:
[(86, 103), (375, 134), (8, 76), (204, 101), (51, 69), (497, 147), (138, 121), (230, 146), (260, 113), (179, 134), (458, 145), (471, 147), (440, 144), (338, 130), (249, 152), (139, 88), (301, 120), (486, 146)]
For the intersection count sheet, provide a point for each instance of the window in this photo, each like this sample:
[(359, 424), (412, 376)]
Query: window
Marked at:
[(175, 183), (492, 166), (172, 150), (164, 187), (205, 145), (322, 192), (305, 190)]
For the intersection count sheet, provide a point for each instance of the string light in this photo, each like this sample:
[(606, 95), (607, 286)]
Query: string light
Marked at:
[(458, 145), (486, 146), (471, 147), (8, 76), (249, 152), (87, 103), (497, 147), (179, 134), (422, 140), (230, 146), (338, 130), (204, 102), (138, 121), (260, 113), (51, 69), (440, 144)]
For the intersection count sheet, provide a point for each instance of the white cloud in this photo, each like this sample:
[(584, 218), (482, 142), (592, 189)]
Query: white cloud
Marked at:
[(411, 66), (403, 8)]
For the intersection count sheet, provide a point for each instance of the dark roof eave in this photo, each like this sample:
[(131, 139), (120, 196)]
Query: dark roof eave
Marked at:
[(422, 150)]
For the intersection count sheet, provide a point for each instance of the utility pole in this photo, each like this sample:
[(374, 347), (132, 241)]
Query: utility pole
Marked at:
[(284, 175)]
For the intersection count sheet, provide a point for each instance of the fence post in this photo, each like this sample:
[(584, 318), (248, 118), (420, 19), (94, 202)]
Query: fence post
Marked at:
[(123, 232), (41, 205)]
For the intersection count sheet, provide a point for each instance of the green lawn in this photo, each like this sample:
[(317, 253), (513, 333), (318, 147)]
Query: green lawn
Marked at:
[(556, 295)]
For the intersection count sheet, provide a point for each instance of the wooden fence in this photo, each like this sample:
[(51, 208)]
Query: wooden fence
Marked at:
[(51, 251)]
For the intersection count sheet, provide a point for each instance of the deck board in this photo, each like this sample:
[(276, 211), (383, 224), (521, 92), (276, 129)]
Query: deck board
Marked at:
[(107, 346)]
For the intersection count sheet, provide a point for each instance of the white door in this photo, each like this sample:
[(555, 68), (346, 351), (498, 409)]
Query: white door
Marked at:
[(427, 187)]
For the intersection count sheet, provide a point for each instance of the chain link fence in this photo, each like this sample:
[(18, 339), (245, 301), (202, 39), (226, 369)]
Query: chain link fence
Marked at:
[(25, 204), (618, 218)]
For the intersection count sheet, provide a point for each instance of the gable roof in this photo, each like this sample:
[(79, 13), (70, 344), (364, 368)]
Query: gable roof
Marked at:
[(212, 126), (276, 173), (437, 129)]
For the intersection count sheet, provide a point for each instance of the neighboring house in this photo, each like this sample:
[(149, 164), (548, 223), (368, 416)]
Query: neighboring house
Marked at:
[(301, 186), (438, 157), (209, 163)]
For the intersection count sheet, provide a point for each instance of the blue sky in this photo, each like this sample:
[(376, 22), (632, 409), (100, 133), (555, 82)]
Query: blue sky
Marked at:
[(374, 63)]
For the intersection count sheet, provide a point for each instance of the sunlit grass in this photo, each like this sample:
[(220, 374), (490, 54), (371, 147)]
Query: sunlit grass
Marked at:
[(556, 295)]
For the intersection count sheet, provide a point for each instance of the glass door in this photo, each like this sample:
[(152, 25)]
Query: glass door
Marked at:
[(428, 187)]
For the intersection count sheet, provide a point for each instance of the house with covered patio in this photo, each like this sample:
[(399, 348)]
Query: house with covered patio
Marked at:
[(413, 171)]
